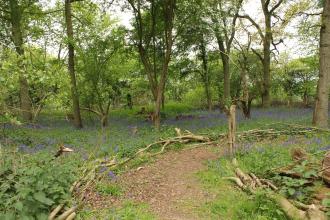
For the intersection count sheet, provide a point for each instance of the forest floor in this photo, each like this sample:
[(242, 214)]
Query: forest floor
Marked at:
[(183, 183), (169, 185)]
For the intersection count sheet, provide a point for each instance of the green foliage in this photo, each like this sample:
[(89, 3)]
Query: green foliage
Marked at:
[(31, 185), (326, 203), (272, 156), (109, 188), (230, 203), (263, 159), (294, 188), (128, 211)]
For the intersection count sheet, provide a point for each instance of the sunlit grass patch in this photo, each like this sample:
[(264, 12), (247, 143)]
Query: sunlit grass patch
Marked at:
[(109, 188), (128, 211)]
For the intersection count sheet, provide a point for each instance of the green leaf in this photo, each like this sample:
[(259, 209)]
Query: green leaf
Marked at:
[(41, 197), (291, 191), (19, 206), (310, 174), (326, 202)]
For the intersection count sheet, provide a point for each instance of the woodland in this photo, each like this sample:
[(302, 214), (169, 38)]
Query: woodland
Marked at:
[(164, 109)]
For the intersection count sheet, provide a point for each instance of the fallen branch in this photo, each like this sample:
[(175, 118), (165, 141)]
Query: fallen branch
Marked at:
[(250, 182)]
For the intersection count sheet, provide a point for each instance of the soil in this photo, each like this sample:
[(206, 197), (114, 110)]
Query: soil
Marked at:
[(170, 185)]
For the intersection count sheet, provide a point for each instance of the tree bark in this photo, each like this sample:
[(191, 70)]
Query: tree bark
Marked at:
[(320, 117), (226, 78), (104, 121), (71, 69), (266, 61), (16, 19), (224, 53), (245, 100), (205, 75)]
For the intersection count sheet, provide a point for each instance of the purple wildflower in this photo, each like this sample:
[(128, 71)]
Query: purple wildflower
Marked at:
[(317, 141), (103, 169), (326, 148), (111, 175)]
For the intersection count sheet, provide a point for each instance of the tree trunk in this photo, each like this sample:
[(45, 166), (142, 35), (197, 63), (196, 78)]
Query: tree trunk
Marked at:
[(266, 63), (226, 69), (305, 98), (163, 100), (16, 19), (231, 115), (208, 95), (245, 100), (320, 117), (205, 75), (246, 108), (74, 92), (161, 88), (157, 110), (226, 78), (104, 121)]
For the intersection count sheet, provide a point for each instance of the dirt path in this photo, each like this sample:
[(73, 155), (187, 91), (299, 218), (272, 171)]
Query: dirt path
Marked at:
[(169, 185)]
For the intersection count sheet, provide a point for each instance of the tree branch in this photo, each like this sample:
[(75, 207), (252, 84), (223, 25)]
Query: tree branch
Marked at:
[(254, 24), (258, 54), (276, 6)]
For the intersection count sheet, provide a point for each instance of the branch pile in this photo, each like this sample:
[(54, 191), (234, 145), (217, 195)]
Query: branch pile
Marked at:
[(293, 209)]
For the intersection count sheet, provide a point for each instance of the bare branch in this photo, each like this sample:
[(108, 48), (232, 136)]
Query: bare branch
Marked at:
[(254, 24), (276, 6), (258, 54)]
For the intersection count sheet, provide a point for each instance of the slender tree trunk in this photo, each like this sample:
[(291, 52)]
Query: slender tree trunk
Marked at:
[(226, 78), (266, 63), (163, 100), (16, 19), (104, 121), (205, 75), (320, 117), (74, 92), (226, 69), (245, 100), (158, 105), (208, 95), (305, 98)]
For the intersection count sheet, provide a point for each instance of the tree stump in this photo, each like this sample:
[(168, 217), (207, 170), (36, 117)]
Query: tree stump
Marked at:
[(231, 115)]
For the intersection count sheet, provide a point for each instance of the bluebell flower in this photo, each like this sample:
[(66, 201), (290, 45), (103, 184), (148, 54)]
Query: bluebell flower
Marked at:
[(23, 148), (103, 169), (317, 141), (326, 148), (111, 175)]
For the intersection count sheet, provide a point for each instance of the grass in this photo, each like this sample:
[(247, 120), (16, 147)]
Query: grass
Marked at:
[(259, 158), (109, 188), (229, 203), (128, 211)]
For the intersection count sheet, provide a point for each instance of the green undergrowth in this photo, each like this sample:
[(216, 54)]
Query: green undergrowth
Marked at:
[(261, 158), (109, 188), (128, 211), (31, 185)]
